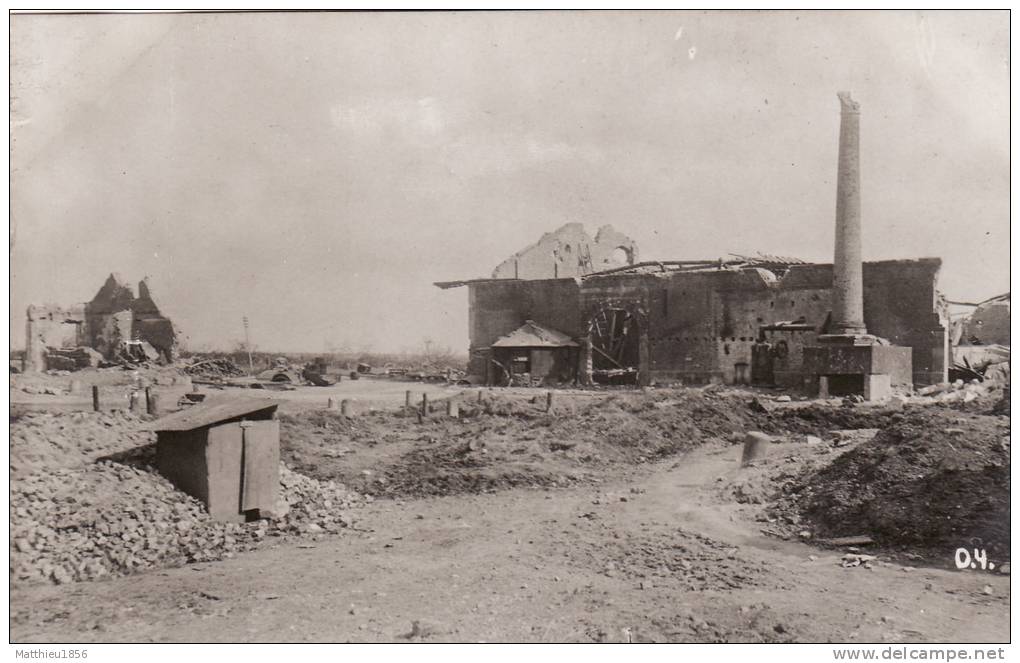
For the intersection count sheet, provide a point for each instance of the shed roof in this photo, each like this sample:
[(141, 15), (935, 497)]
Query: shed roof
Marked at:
[(215, 411), (531, 335)]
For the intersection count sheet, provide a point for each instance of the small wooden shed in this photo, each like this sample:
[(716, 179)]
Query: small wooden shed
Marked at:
[(226, 453), (532, 355)]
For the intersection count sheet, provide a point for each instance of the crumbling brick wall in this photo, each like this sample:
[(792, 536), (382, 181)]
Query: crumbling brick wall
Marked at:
[(699, 326), (52, 327), (988, 324)]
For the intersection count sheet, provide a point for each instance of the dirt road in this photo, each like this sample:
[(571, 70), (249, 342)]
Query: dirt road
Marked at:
[(366, 394), (657, 556)]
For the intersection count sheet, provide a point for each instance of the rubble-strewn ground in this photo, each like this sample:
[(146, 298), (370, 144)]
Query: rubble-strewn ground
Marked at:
[(622, 516), (87, 503), (508, 440)]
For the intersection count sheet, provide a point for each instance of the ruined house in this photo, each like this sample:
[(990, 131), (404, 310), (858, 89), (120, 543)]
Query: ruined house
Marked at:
[(113, 323)]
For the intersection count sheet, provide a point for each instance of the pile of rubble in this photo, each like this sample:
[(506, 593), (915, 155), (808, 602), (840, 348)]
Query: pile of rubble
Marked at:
[(75, 518), (930, 478), (72, 359), (213, 369), (115, 519), (966, 392), (45, 441)]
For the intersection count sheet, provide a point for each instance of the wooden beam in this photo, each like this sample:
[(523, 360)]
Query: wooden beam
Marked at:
[(599, 350)]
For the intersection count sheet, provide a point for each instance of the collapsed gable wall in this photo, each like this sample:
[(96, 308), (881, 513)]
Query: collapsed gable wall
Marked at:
[(699, 326), (567, 252)]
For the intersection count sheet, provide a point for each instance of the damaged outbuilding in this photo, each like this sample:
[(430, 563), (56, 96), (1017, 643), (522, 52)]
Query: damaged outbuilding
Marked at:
[(114, 325)]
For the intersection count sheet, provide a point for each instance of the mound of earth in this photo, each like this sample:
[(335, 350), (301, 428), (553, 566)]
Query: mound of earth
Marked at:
[(934, 479)]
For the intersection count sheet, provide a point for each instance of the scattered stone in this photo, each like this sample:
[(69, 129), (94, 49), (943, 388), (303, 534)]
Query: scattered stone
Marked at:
[(987, 589), (422, 629), (850, 560), (74, 517), (852, 541)]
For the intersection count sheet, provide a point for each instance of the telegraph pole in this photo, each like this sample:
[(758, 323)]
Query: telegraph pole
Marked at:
[(247, 346)]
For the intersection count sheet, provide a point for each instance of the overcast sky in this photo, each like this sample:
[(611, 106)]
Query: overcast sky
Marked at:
[(317, 172)]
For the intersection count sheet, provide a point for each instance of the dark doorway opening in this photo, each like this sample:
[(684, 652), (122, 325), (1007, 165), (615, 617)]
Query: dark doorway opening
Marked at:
[(846, 385), (615, 347)]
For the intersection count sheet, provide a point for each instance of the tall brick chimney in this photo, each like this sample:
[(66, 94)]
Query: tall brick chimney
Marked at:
[(847, 277), (847, 359)]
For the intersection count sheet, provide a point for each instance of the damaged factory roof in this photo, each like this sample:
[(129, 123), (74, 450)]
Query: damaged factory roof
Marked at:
[(776, 264), (530, 335)]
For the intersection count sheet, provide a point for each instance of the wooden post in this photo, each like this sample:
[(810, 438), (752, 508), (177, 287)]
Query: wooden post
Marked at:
[(95, 398), (331, 404), (346, 408), (756, 446), (548, 401), (408, 399), (153, 403), (452, 409), (135, 402), (148, 399), (424, 405), (480, 394)]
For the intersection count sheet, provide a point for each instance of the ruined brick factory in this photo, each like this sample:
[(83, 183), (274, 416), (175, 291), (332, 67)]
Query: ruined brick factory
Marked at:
[(639, 450), (575, 310)]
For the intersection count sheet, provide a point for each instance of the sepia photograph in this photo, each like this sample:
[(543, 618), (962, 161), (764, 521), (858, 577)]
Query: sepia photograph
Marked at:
[(516, 326)]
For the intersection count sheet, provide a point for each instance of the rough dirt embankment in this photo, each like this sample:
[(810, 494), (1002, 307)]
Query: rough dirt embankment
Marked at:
[(932, 478), (936, 473), (505, 441)]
